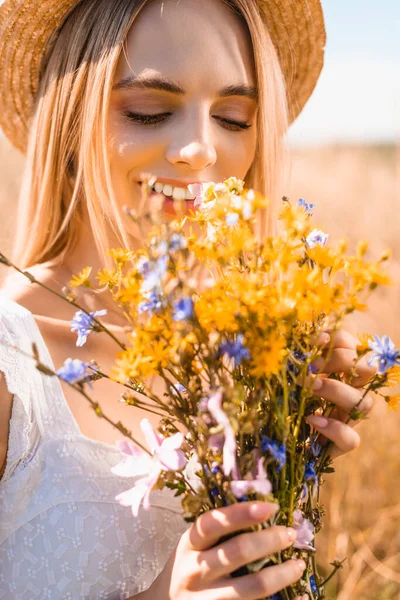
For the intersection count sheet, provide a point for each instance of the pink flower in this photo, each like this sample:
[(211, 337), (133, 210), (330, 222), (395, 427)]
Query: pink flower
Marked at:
[(166, 456), (199, 190), (229, 449), (260, 484), (305, 531)]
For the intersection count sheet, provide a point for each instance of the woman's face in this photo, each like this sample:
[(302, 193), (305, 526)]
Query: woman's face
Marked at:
[(183, 105)]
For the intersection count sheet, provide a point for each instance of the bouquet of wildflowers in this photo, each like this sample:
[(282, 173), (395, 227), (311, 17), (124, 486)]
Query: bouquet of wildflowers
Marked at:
[(229, 323)]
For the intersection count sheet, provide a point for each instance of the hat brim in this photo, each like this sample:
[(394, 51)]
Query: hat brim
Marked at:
[(296, 28)]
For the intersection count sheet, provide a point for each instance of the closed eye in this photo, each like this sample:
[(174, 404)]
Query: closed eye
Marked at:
[(159, 118)]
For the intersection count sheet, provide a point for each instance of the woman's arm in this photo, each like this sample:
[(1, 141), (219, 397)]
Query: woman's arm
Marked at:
[(6, 400)]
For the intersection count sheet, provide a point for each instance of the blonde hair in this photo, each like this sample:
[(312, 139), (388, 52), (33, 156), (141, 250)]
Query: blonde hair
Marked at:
[(67, 163)]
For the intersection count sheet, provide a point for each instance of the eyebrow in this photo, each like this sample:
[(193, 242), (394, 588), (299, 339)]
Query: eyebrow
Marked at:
[(159, 82)]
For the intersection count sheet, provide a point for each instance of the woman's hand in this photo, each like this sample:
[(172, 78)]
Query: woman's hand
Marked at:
[(200, 567), (344, 395)]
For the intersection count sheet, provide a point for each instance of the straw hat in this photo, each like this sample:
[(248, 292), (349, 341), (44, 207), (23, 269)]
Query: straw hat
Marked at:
[(26, 26)]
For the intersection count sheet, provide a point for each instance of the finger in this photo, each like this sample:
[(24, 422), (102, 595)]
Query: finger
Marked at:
[(212, 525), (343, 436), (243, 549), (342, 360), (343, 395), (264, 583), (343, 339), (305, 597)]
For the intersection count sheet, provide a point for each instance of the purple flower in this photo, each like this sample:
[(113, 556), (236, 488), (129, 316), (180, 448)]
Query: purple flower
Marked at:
[(305, 531), (315, 447), (84, 324), (183, 309), (385, 355), (74, 371), (216, 441), (308, 207), (310, 473), (234, 349), (229, 449), (260, 484), (316, 238), (199, 191), (177, 242), (314, 587), (166, 456), (152, 305), (277, 450), (153, 272), (178, 387)]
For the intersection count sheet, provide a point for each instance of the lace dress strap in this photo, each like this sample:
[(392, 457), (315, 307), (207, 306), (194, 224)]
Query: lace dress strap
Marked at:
[(40, 410)]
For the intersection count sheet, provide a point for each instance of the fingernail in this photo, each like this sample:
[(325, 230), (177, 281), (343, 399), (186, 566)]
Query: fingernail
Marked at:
[(263, 510), (301, 564), (325, 338), (292, 534), (317, 384), (317, 421)]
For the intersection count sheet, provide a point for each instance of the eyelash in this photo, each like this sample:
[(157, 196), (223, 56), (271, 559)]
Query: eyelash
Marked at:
[(157, 119)]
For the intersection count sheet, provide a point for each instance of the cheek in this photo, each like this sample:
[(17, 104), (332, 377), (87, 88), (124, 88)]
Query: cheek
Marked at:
[(236, 157)]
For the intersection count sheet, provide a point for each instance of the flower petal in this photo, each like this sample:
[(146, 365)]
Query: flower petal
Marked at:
[(153, 438)]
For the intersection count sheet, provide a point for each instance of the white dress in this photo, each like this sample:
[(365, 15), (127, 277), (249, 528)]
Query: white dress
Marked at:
[(62, 534)]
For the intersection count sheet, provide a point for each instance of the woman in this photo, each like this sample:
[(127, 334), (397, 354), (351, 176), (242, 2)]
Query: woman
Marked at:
[(96, 93)]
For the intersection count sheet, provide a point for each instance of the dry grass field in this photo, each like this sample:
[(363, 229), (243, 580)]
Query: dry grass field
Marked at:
[(357, 193)]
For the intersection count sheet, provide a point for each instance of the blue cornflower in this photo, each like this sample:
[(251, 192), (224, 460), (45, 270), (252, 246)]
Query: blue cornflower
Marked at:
[(183, 309), (277, 450), (84, 323), (313, 585), (177, 242), (385, 355), (308, 207), (178, 387), (73, 371), (316, 238), (310, 473), (234, 349), (315, 447), (152, 305), (153, 272), (300, 356), (275, 597)]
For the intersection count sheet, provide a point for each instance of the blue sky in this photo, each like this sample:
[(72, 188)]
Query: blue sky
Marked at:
[(357, 98)]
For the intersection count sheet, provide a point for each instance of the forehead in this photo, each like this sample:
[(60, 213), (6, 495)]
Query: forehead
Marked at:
[(200, 43)]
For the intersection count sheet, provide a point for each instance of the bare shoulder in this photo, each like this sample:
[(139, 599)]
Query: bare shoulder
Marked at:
[(31, 296)]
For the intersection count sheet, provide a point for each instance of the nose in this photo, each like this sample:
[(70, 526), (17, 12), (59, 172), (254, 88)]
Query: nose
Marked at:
[(193, 145)]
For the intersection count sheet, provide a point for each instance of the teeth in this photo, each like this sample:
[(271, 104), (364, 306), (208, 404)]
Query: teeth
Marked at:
[(189, 195), (177, 193), (167, 191)]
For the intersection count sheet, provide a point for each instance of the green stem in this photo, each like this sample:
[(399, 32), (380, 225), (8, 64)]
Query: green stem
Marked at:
[(78, 387), (32, 279)]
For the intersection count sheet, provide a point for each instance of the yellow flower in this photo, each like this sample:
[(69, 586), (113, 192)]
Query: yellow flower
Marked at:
[(81, 279), (109, 278), (392, 378), (268, 356), (393, 402), (121, 255), (217, 308), (364, 339)]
